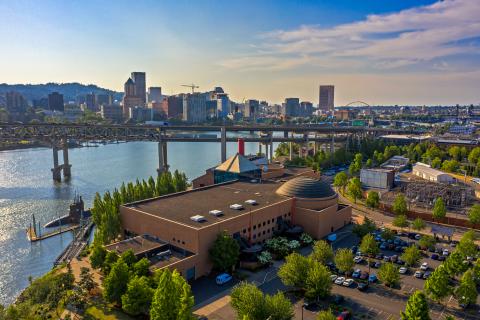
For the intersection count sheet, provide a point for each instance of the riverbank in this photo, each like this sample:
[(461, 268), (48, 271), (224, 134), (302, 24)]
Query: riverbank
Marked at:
[(21, 145)]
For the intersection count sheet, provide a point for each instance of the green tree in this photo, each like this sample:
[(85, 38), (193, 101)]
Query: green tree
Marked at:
[(418, 224), (110, 259), (474, 214), (326, 315), (141, 267), (98, 256), (450, 165), (436, 163), (294, 271), (369, 247), (466, 293), (388, 274), (437, 285), (369, 163), (427, 242), (224, 252), (416, 308), (248, 301), (400, 205), (278, 307), (366, 227), (318, 283), (344, 260), (454, 263), (138, 296), (173, 299), (400, 221), (356, 165), (388, 234), (439, 210), (86, 280), (466, 246), (373, 199), (129, 258), (354, 189), (341, 181), (322, 252), (411, 256), (115, 283)]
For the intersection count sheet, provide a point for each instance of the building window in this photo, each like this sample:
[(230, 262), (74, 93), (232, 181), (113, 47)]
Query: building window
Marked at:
[(254, 227), (259, 225), (173, 238), (244, 230), (289, 214), (183, 242), (264, 232), (248, 229), (268, 222), (254, 236), (264, 223), (268, 230)]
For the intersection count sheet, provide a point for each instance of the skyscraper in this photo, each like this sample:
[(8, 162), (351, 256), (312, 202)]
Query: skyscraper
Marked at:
[(291, 107), (155, 94), (16, 102), (195, 107), (139, 81), (326, 98), (130, 99), (55, 101), (90, 101), (252, 107)]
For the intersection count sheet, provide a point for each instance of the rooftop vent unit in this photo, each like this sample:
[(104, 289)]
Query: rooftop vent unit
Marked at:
[(198, 218), (236, 206), (251, 201), (216, 213), (164, 254)]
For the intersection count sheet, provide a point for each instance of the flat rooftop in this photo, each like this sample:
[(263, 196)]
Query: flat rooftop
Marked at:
[(180, 207), (139, 245)]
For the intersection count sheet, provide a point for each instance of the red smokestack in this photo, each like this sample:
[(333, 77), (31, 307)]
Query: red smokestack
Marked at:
[(241, 146)]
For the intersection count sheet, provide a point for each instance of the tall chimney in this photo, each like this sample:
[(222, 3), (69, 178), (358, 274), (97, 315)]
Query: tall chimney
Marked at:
[(241, 146)]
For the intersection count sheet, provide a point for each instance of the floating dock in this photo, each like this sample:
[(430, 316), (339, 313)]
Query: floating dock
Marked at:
[(33, 237)]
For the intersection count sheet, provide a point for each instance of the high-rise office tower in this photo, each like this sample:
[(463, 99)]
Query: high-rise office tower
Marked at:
[(252, 109), (291, 107), (90, 101), (55, 101), (195, 107), (103, 99), (16, 102), (130, 99), (155, 94), (326, 98), (139, 81)]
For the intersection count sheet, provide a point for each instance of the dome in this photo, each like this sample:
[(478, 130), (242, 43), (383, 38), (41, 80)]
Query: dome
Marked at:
[(303, 187)]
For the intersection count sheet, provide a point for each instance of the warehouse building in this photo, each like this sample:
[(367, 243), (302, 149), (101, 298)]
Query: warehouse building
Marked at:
[(186, 224), (426, 172), (377, 178)]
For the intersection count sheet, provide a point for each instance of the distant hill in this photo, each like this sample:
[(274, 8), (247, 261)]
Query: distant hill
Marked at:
[(69, 90)]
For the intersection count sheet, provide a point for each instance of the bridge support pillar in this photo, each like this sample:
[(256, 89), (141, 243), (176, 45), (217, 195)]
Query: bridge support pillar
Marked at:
[(259, 148), (223, 142), (57, 169), (315, 145), (285, 134), (307, 143), (271, 150), (290, 153), (162, 157), (332, 144), (67, 172)]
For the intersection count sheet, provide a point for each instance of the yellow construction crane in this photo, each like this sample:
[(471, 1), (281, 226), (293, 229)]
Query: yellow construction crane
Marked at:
[(192, 86)]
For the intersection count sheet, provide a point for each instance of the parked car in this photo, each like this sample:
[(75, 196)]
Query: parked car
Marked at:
[(403, 270), (372, 264), (364, 275), (411, 235), (445, 252), (379, 256), (372, 277), (424, 266), (377, 264), (362, 286), (223, 278), (383, 245), (339, 280), (386, 258), (418, 274), (354, 249), (348, 282), (333, 277), (394, 258), (426, 274), (417, 237), (399, 249), (441, 258), (345, 315), (356, 273), (337, 299), (400, 262), (434, 256), (311, 306), (358, 259)]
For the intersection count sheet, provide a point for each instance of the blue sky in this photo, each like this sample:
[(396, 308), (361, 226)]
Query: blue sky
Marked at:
[(379, 51)]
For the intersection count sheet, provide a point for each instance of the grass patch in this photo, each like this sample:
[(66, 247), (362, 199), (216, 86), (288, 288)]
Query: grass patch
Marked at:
[(105, 312)]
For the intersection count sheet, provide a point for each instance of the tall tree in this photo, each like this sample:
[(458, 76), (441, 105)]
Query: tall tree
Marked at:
[(439, 210), (466, 293), (225, 252), (369, 247), (248, 301), (373, 199), (318, 283), (418, 224), (322, 252), (173, 299), (474, 214), (115, 284), (341, 181), (400, 221), (416, 308), (400, 205), (411, 256), (138, 296), (389, 275), (344, 260), (278, 307), (437, 285), (326, 315), (354, 189), (295, 270)]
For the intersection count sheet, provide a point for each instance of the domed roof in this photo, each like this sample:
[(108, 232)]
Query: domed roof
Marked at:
[(303, 187)]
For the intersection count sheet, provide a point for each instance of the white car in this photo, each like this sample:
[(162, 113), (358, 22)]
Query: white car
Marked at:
[(339, 280), (402, 270), (358, 259), (424, 266), (348, 282), (333, 277), (418, 274), (445, 252), (418, 237)]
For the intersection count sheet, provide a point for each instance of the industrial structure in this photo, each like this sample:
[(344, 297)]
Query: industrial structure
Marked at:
[(377, 178), (426, 172), (424, 193)]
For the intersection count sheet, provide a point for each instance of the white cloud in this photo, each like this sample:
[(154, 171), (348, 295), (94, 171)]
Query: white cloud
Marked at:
[(413, 36)]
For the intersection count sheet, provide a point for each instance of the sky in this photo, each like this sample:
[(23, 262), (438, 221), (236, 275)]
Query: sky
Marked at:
[(377, 51)]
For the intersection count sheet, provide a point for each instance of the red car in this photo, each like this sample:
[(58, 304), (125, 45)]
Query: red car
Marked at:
[(345, 315)]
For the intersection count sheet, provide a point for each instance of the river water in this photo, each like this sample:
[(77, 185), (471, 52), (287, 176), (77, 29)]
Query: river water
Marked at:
[(26, 188)]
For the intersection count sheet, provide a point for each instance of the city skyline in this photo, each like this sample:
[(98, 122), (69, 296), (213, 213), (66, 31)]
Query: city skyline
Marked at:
[(413, 52)]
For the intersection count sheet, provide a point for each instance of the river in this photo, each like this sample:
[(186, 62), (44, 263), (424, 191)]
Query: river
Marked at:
[(26, 188)]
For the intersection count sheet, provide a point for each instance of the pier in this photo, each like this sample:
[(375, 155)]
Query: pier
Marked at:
[(33, 236)]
